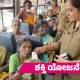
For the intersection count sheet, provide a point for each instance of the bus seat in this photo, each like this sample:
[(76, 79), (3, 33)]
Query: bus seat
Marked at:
[(36, 41), (25, 28), (34, 29), (8, 40)]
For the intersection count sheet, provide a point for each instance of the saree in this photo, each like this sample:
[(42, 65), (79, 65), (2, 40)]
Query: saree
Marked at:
[(47, 40), (47, 57), (4, 76), (3, 60), (28, 18)]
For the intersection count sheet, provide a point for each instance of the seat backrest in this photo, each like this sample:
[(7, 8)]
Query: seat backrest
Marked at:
[(35, 30), (25, 28), (36, 42), (8, 40)]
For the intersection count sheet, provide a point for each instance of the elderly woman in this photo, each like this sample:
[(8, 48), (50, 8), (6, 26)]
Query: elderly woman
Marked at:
[(49, 13), (26, 15), (16, 60), (70, 40), (16, 31), (47, 40), (41, 32), (55, 8), (52, 22)]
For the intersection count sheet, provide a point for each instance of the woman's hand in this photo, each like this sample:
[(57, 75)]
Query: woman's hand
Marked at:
[(34, 60), (60, 59), (39, 50)]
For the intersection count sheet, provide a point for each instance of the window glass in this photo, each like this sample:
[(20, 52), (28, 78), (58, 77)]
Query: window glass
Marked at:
[(6, 3), (40, 7), (6, 15), (7, 18)]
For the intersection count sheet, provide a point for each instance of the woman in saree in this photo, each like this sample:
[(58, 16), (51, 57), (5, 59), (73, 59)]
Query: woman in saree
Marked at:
[(47, 40), (26, 14), (55, 8), (19, 36)]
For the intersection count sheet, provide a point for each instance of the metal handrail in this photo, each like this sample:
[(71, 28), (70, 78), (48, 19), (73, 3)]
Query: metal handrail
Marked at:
[(1, 8)]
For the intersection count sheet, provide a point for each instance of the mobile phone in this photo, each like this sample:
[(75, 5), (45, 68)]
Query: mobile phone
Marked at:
[(64, 55)]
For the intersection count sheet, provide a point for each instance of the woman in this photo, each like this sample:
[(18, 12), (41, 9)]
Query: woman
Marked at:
[(26, 15), (55, 8), (40, 17), (47, 40), (49, 13), (19, 36), (41, 32), (44, 15), (16, 60), (70, 40), (52, 22), (48, 4)]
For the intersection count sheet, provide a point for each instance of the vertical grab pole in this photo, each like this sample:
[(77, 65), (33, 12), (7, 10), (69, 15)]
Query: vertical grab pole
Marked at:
[(2, 18)]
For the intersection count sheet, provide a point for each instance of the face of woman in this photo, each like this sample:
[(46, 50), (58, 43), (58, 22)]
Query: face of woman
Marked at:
[(54, 2), (16, 26), (25, 48), (27, 6), (42, 29), (52, 23), (50, 13), (72, 12)]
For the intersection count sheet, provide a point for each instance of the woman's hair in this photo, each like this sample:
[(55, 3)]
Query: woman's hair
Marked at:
[(27, 1), (49, 2), (40, 23), (24, 40), (53, 18), (16, 19), (40, 17), (76, 3)]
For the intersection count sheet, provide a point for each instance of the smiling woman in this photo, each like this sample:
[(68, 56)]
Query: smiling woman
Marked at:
[(47, 40)]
